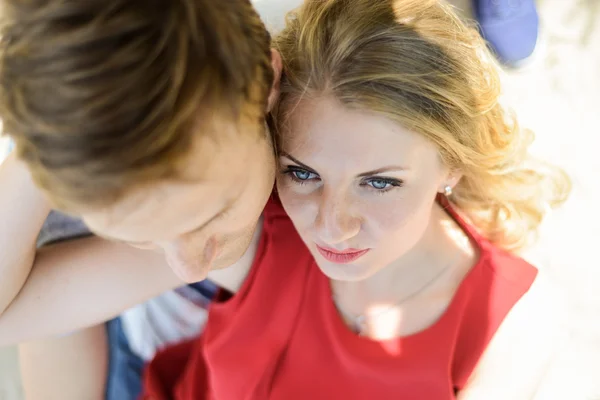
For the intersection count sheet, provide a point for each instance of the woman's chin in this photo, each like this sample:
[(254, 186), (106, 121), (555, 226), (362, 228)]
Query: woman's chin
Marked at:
[(351, 272)]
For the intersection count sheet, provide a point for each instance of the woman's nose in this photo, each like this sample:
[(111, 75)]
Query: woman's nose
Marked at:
[(335, 222)]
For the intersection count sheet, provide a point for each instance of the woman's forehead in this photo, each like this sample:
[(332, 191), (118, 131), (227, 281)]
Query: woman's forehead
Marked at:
[(325, 129)]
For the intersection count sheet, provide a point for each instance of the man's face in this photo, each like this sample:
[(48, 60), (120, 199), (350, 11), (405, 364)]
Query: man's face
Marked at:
[(203, 223), (206, 222)]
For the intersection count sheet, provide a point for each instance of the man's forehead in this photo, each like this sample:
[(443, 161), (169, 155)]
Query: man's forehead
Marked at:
[(215, 171), (163, 211)]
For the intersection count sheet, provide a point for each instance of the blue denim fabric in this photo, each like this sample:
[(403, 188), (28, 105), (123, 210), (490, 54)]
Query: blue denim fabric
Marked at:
[(126, 368)]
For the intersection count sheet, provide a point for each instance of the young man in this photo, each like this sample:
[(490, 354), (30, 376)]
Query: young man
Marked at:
[(146, 119)]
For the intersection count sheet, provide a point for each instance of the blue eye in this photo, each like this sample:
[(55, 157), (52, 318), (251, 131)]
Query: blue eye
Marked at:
[(300, 175), (383, 184), (379, 184)]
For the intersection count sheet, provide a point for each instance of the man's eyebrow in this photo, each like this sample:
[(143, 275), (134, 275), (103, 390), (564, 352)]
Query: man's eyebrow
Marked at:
[(215, 217), (114, 239), (218, 215)]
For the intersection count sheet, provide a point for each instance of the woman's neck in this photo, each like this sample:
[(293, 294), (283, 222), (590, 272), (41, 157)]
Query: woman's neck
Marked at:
[(443, 246), (412, 292)]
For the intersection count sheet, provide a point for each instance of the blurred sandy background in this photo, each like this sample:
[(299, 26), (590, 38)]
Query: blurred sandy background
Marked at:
[(558, 96)]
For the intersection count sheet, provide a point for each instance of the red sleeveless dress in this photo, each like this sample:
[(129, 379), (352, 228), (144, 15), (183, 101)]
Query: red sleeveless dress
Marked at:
[(281, 338)]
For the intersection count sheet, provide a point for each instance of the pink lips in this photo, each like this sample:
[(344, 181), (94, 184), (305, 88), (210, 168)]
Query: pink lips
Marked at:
[(341, 257)]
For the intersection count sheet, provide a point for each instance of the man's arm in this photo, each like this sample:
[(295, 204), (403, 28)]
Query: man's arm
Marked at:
[(19, 197), (78, 284), (72, 367), (73, 285)]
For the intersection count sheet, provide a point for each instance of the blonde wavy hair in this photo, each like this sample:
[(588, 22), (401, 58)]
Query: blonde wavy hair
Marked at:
[(417, 63)]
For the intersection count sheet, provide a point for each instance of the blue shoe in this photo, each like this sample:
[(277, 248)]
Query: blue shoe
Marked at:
[(510, 27)]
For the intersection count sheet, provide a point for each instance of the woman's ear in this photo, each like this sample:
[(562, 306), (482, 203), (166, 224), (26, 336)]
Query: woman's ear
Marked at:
[(450, 181), (277, 70)]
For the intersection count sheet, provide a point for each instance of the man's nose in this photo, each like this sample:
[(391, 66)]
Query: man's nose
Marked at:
[(189, 259)]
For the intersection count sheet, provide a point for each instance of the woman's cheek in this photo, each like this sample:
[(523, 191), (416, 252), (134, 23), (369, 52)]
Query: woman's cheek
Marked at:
[(299, 207), (391, 214)]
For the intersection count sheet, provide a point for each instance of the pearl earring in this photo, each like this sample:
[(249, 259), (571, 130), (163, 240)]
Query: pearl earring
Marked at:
[(448, 190)]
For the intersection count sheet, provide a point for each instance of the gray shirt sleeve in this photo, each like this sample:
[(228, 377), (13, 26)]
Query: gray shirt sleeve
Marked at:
[(59, 227)]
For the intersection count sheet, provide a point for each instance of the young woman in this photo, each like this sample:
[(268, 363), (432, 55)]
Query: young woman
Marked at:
[(409, 186), (406, 183)]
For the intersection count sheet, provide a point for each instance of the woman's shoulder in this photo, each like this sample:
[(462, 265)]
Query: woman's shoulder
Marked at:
[(281, 236), (274, 208), (493, 262), (523, 312), (534, 330), (508, 267)]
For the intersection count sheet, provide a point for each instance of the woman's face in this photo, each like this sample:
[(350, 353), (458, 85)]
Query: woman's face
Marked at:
[(358, 187), (206, 222)]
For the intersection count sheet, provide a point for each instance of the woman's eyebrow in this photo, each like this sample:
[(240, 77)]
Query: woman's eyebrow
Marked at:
[(298, 162), (382, 170), (377, 171)]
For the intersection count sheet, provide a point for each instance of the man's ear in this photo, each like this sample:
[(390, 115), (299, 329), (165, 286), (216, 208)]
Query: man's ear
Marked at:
[(277, 70)]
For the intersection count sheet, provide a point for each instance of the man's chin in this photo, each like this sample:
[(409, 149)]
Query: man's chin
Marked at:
[(191, 275), (241, 249), (188, 273), (233, 256)]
